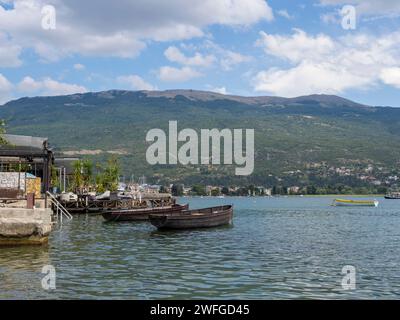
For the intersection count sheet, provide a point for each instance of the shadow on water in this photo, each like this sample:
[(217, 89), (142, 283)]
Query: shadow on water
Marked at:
[(169, 232)]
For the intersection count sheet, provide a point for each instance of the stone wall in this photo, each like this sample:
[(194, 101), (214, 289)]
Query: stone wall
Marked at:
[(24, 226), (9, 180)]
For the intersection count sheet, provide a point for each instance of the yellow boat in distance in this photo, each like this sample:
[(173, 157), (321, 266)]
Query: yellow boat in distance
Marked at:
[(358, 203)]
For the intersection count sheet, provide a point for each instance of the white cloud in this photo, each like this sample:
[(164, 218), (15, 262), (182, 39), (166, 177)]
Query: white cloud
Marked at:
[(226, 58), (5, 89), (308, 78), (9, 53), (212, 54), (5, 85), (136, 82), (29, 84), (48, 87), (297, 46), (230, 59), (319, 64), (171, 74), (285, 14), (221, 90), (332, 17), (78, 66), (391, 76), (175, 55), (101, 29)]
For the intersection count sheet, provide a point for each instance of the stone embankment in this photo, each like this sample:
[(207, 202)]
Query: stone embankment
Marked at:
[(21, 226)]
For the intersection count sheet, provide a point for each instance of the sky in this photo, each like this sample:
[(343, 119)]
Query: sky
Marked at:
[(283, 48)]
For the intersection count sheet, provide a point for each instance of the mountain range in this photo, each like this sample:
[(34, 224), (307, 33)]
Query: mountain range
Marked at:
[(316, 139)]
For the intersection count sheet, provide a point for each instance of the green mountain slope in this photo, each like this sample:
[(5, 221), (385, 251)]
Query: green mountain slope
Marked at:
[(301, 140)]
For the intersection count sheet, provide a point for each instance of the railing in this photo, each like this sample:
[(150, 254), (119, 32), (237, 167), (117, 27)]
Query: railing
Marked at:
[(60, 210)]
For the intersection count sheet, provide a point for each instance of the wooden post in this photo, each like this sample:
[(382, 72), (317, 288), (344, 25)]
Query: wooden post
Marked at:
[(19, 178), (65, 172), (45, 178), (60, 177), (30, 200)]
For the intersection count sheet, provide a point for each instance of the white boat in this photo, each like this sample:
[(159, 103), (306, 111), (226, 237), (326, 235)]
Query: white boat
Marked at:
[(393, 195), (68, 197), (357, 203)]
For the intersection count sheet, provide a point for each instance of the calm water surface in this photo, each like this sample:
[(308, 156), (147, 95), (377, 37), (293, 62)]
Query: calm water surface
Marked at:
[(278, 248)]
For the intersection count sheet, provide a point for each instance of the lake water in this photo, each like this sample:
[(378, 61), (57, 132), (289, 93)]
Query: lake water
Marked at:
[(277, 248)]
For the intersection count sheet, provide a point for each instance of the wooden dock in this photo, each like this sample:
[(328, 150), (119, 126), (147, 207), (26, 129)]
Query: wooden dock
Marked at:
[(87, 205)]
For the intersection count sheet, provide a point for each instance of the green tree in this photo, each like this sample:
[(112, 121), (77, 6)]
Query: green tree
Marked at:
[(251, 189), (2, 131), (108, 177), (77, 176), (177, 190), (225, 190), (55, 181), (87, 172), (199, 190), (382, 190), (311, 189), (82, 176)]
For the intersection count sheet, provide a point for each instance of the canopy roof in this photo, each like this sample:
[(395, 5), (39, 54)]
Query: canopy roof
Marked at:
[(24, 146)]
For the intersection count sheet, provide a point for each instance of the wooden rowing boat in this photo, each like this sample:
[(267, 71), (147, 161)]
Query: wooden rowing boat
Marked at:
[(200, 218), (359, 203), (141, 214)]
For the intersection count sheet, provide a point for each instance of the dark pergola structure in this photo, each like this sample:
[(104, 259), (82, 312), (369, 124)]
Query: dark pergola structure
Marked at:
[(26, 150)]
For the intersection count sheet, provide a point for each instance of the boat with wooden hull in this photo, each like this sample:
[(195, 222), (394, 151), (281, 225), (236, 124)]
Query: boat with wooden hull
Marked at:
[(189, 219), (356, 203), (141, 214)]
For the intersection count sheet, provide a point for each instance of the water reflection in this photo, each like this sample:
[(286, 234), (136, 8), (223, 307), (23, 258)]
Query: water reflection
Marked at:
[(278, 248), (20, 271)]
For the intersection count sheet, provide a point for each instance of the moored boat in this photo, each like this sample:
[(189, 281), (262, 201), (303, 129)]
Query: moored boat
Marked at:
[(359, 203), (393, 195), (199, 218), (141, 214)]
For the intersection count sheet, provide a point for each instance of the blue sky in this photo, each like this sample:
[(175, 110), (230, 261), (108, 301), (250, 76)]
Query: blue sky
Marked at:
[(253, 47)]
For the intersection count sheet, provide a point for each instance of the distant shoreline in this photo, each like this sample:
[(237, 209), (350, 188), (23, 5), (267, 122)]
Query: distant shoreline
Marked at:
[(285, 196), (344, 195)]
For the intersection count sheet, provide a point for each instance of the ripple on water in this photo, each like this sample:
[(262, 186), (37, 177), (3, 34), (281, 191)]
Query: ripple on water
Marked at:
[(277, 249)]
